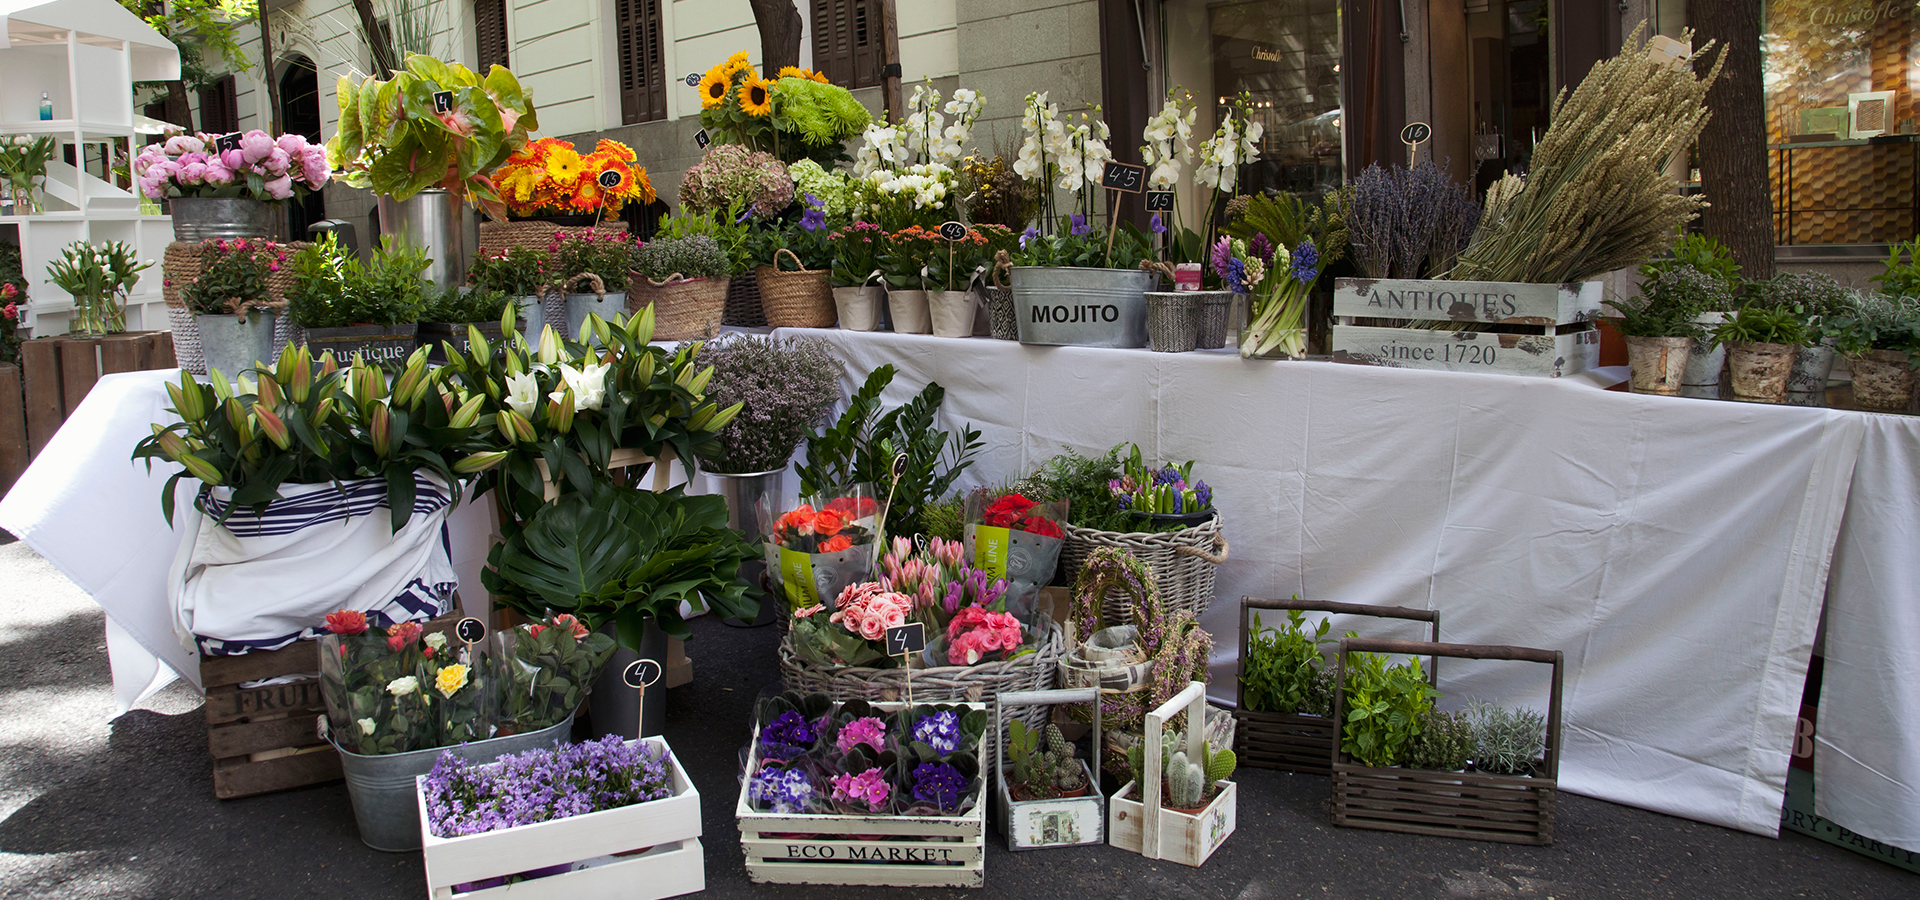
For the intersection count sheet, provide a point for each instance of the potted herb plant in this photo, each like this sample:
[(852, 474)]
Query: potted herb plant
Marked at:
[(425, 140), (1712, 259), (1662, 325), (520, 272), (1819, 302), (600, 260), (1761, 344), (1881, 340), (231, 192), (447, 313), (684, 281), (99, 276), (234, 314), (350, 309), (856, 268)]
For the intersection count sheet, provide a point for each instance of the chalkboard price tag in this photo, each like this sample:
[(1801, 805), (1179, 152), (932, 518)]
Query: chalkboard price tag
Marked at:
[(1415, 132), (693, 79), (899, 466), (1159, 201), (471, 630), (228, 142), (953, 231), (905, 639), (700, 137), (442, 101), (610, 179), (641, 673), (1128, 177)]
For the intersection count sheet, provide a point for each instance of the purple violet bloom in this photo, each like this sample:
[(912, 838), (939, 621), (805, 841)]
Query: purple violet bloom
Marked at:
[(787, 736), (1261, 247), (1080, 225), (1155, 225), (1028, 235), (780, 790), (815, 218), (940, 730), (939, 784)]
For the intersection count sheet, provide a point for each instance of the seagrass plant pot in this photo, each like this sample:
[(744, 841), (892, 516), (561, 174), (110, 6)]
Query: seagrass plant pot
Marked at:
[(1658, 364), (1759, 370), (859, 306), (1882, 380)]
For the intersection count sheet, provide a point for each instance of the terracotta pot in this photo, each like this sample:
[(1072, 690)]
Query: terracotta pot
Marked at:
[(1659, 364), (1759, 370), (1882, 380)]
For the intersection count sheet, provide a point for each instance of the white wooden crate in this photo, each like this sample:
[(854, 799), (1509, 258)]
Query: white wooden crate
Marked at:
[(1546, 329), (902, 851), (1537, 355), (1137, 822), (1504, 302), (675, 864)]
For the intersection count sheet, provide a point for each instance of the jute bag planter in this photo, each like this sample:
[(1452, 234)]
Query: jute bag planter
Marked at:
[(1882, 380), (1173, 321), (179, 266), (1759, 370), (1184, 563), (684, 309), (1003, 322), (1658, 364), (797, 299), (911, 314), (743, 303), (952, 312), (859, 306)]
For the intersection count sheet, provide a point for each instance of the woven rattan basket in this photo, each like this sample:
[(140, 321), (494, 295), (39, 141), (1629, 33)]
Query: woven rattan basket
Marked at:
[(945, 684), (743, 303), (179, 266), (801, 299), (684, 309), (497, 236), (1184, 563)]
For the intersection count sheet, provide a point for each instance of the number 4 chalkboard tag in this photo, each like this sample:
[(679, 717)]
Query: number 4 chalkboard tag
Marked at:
[(442, 101), (700, 137), (904, 641), (1127, 177), (638, 674)]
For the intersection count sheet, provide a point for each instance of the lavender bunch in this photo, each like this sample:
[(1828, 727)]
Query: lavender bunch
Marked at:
[(541, 785), (1402, 217), (786, 386)]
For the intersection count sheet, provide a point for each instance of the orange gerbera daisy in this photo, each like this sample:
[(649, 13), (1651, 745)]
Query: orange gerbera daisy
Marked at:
[(755, 97)]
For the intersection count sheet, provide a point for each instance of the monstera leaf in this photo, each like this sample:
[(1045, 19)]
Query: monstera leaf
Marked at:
[(625, 556)]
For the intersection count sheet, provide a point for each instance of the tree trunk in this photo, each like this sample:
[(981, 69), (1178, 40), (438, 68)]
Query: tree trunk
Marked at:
[(266, 67), (376, 40), (1733, 148), (178, 110), (780, 24)]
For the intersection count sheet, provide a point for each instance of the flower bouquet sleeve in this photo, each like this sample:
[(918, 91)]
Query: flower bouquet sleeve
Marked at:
[(464, 693), (822, 546), (372, 685), (544, 670), (937, 772), (1012, 537)]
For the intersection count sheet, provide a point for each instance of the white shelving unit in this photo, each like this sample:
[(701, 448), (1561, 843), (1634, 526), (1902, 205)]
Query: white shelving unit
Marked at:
[(84, 55)]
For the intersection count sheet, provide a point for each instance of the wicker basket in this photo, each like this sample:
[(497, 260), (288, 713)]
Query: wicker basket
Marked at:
[(945, 684), (684, 309), (743, 303), (181, 265), (498, 236), (1183, 563), (800, 299), (1214, 309), (1173, 321)]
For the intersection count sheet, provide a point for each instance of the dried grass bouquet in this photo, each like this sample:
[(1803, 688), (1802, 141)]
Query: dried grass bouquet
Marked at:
[(786, 386)]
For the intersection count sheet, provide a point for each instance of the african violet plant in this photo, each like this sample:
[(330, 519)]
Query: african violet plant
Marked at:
[(435, 124), (813, 756)]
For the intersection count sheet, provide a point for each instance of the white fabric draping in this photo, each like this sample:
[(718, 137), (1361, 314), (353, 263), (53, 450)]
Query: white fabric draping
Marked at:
[(1676, 551)]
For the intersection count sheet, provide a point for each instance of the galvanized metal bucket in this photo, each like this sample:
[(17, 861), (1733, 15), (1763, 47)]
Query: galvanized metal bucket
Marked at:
[(382, 789), (438, 221), (197, 219), (232, 344), (1082, 307), (608, 306)]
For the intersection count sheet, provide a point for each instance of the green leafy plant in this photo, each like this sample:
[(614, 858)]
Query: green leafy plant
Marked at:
[(1043, 769), (461, 306), (1506, 741), (693, 256), (1080, 242), (1386, 706), (1700, 252), (1901, 277), (1670, 299), (945, 519), (626, 556), (332, 289), (1284, 671), (1761, 325), (1877, 321), (862, 444), (545, 672), (1445, 742), (728, 231), (516, 271), (1082, 481), (232, 273), (394, 140)]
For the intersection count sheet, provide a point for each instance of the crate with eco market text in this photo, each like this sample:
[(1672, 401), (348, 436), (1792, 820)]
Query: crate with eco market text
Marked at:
[(1504, 328)]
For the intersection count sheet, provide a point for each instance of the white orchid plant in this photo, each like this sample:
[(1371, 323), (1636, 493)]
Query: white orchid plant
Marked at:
[(1062, 156), (909, 164), (1234, 144)]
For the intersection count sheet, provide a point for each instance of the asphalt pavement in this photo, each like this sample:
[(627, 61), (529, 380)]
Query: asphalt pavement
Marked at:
[(100, 807)]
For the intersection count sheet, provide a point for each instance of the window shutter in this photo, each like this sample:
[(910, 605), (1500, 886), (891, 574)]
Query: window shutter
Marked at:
[(846, 41), (643, 88), (220, 107), (490, 34)]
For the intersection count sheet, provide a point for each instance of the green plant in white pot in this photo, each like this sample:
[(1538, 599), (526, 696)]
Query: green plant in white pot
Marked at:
[(1661, 326), (1761, 345)]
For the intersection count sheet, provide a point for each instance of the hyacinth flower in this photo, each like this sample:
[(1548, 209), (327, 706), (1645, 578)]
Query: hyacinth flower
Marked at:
[(1276, 325)]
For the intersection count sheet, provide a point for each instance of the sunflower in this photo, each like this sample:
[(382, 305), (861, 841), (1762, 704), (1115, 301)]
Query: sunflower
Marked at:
[(714, 87), (736, 63), (754, 96)]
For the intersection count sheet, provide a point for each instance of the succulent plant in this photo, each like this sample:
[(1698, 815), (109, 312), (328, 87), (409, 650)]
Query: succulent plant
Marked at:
[(1445, 742), (1043, 767), (1506, 741), (1189, 781)]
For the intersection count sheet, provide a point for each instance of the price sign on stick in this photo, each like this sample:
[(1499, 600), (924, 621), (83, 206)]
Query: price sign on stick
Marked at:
[(471, 630), (904, 641), (952, 231), (1127, 177), (693, 79), (898, 469), (1413, 135), (227, 142), (609, 179), (442, 101), (1159, 201), (638, 674), (700, 137)]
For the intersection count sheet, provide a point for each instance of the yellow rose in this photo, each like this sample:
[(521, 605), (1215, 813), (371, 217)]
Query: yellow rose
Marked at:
[(450, 679)]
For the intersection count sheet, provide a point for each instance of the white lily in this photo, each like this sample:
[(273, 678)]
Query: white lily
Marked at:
[(589, 384), (550, 350), (523, 393)]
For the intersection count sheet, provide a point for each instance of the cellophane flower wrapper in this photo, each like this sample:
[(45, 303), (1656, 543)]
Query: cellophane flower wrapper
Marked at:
[(818, 548), (370, 709), (544, 672), (1013, 537), (463, 692), (937, 772), (823, 641)]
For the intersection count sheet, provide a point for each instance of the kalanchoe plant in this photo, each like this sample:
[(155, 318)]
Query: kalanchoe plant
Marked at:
[(373, 682), (516, 271), (1043, 769), (541, 785), (856, 253), (609, 255), (544, 670), (1163, 491), (1284, 671)]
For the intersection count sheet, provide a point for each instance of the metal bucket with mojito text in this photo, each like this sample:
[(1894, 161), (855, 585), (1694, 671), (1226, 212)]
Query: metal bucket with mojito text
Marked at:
[(1082, 307)]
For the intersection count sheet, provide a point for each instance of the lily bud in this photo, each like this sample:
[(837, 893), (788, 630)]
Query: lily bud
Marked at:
[(322, 412), (699, 383), (468, 413), (327, 364), (173, 446), (514, 426), (477, 346), (725, 417), (550, 350), (241, 422), (412, 379), (560, 415), (222, 388), (380, 424), (187, 398), (284, 366), (300, 386), (479, 462), (272, 427), (203, 470), (640, 326), (267, 391)]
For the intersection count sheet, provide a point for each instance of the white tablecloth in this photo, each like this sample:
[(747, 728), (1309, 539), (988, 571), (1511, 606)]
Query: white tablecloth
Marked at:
[(1677, 551)]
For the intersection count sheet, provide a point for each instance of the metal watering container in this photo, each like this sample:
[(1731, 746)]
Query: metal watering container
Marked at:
[(382, 788), (1082, 307)]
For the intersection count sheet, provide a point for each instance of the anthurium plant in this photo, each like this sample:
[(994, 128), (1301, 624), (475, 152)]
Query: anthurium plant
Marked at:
[(308, 421), (435, 124)]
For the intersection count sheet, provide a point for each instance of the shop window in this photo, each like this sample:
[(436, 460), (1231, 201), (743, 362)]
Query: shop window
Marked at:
[(1841, 87), (847, 41), (643, 87), (490, 34), (220, 106)]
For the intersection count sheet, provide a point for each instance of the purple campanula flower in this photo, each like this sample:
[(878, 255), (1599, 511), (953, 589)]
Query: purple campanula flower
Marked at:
[(1155, 225), (1028, 235), (1080, 225), (815, 218)]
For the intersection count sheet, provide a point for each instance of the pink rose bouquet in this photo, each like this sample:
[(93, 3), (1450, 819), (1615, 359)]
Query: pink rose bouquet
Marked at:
[(261, 167)]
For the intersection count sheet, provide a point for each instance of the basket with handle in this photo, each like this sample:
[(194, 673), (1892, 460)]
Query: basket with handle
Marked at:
[(1003, 319), (180, 265), (1184, 562), (1292, 740), (499, 236), (798, 299), (1516, 809), (1055, 822), (743, 303), (684, 309), (1135, 819)]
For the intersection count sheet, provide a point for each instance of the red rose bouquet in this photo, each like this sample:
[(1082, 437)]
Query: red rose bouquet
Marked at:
[(376, 684), (1011, 536)]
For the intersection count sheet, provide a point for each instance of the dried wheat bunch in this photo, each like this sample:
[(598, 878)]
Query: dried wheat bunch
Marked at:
[(1598, 197)]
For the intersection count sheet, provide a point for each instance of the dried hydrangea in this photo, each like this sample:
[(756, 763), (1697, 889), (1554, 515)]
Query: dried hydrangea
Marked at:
[(731, 172)]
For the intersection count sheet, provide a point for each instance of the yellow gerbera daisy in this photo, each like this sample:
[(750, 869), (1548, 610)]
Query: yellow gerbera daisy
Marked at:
[(564, 165), (755, 97), (714, 87)]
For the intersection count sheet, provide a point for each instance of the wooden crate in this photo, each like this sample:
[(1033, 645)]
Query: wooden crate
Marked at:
[(1057, 822), (59, 372), (902, 851), (1291, 741), (1137, 822), (1539, 330), (1513, 809), (673, 864), (14, 452)]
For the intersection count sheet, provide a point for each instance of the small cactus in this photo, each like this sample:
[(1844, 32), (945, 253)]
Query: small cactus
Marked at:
[(1043, 767), (1186, 783)]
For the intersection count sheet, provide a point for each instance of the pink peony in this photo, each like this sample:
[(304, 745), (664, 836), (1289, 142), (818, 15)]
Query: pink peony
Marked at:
[(191, 173), (179, 144), (219, 173), (313, 165), (293, 144), (280, 188), (254, 147), (277, 162)]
